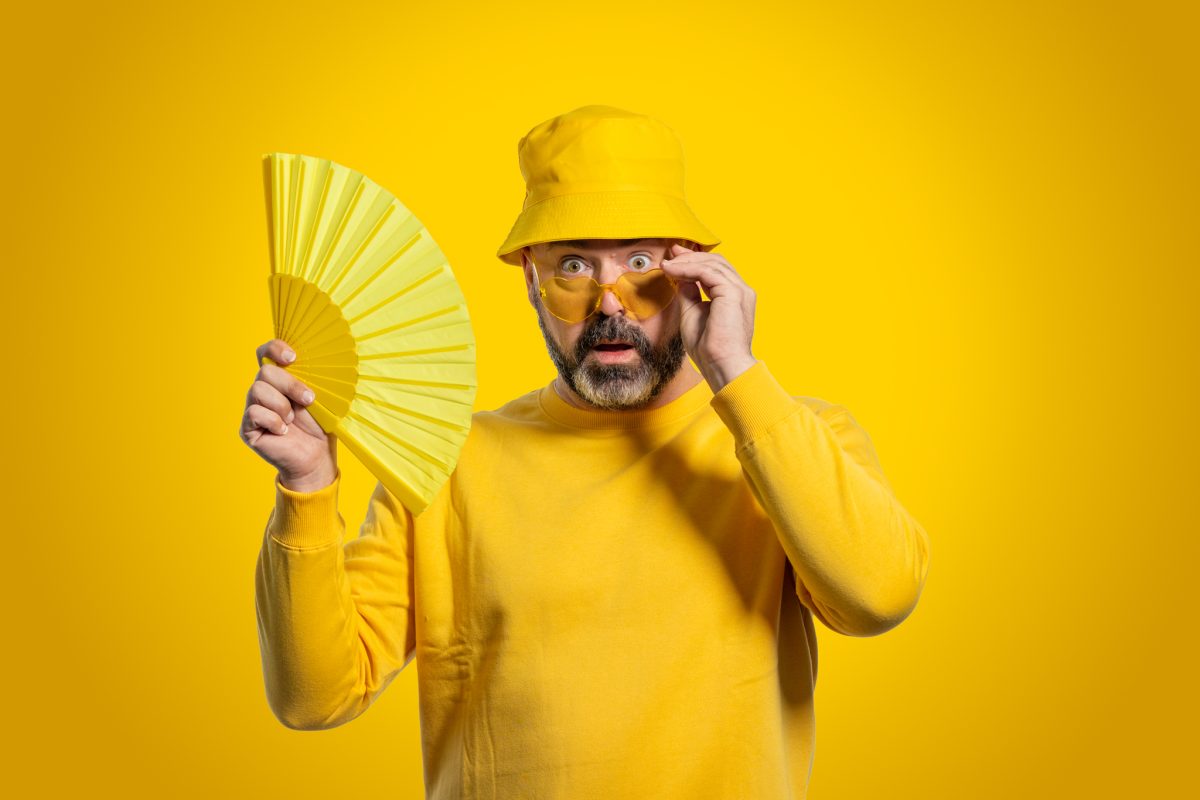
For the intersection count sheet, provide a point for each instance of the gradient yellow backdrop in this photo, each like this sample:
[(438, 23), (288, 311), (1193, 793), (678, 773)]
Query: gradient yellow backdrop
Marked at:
[(973, 224)]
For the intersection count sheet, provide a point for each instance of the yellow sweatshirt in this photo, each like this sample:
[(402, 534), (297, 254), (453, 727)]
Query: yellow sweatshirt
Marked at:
[(601, 604)]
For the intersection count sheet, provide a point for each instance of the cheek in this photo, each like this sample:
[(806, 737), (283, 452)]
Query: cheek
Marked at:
[(571, 335), (567, 335), (662, 326)]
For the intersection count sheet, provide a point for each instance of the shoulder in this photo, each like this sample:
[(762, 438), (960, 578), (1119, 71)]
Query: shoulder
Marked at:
[(824, 409), (495, 426), (524, 407), (851, 435), (481, 451)]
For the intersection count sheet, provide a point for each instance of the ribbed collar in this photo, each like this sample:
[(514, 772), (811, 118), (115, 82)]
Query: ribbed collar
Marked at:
[(688, 403)]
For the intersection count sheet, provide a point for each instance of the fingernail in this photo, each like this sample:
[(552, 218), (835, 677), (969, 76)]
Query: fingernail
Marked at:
[(288, 356), (291, 416), (284, 430), (307, 397)]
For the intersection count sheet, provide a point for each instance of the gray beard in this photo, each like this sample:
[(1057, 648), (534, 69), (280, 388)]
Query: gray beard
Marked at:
[(615, 386)]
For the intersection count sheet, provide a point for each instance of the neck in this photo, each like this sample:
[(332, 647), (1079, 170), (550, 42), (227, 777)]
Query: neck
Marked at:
[(685, 378)]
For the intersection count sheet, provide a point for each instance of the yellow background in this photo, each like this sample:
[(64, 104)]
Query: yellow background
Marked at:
[(975, 225)]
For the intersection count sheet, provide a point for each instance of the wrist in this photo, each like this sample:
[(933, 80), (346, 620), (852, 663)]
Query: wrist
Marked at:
[(720, 373), (312, 482)]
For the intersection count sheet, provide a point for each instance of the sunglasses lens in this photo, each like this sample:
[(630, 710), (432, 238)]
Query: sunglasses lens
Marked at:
[(571, 299), (644, 294)]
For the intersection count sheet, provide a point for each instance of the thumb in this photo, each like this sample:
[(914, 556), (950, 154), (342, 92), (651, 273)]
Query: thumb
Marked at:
[(305, 422)]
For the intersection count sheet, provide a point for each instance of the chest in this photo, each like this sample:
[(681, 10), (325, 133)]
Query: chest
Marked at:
[(546, 539)]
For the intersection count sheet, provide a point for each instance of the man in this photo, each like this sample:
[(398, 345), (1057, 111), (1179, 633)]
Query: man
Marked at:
[(613, 595)]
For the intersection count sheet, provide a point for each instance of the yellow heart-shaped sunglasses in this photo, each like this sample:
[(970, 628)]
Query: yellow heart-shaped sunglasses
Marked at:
[(643, 294)]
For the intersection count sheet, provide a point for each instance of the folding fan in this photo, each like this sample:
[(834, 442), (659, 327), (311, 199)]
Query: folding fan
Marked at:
[(362, 293)]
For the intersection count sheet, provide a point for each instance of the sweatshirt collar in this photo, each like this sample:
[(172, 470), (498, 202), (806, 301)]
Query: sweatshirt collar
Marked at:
[(688, 403)]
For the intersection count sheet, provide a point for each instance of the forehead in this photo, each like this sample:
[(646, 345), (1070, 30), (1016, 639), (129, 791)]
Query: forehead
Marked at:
[(593, 245)]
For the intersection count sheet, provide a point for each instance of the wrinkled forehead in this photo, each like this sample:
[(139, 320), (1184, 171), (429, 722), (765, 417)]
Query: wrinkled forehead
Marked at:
[(599, 245)]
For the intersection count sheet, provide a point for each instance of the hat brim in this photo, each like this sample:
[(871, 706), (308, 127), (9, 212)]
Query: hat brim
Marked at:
[(604, 215)]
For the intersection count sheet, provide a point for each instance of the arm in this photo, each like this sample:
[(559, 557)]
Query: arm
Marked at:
[(859, 557), (335, 622)]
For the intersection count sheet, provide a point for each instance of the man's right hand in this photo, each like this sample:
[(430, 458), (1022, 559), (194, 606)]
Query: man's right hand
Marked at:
[(278, 427)]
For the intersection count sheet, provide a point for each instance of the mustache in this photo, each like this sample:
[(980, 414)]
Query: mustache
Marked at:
[(610, 328)]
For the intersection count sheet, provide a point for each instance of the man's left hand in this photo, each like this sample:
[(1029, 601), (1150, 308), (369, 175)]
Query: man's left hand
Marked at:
[(716, 332)]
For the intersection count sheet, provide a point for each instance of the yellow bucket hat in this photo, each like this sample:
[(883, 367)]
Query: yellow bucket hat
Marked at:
[(599, 172)]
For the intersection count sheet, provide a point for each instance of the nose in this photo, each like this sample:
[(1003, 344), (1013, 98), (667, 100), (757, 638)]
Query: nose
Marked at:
[(610, 305), (609, 271)]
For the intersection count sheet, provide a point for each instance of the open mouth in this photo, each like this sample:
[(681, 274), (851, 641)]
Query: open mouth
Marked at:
[(615, 346)]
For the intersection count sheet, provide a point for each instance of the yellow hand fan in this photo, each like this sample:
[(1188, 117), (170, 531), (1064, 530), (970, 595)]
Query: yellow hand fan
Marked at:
[(364, 296)]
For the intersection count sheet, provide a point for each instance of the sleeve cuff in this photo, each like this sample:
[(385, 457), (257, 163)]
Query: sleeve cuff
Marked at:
[(304, 520), (752, 403)]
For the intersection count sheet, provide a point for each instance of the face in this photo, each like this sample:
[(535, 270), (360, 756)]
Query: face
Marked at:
[(608, 377)]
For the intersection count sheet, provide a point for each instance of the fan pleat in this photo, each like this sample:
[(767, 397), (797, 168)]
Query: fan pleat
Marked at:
[(311, 230), (419, 470), (444, 423), (387, 300), (297, 196), (345, 269), (441, 312), (365, 284), (306, 307), (332, 384), (338, 232), (403, 437)]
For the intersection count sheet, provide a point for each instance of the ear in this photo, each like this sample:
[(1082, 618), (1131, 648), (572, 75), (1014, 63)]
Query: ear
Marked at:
[(527, 271)]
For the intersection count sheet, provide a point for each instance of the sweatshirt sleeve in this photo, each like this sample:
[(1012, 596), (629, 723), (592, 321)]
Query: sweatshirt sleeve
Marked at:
[(335, 621), (859, 557)]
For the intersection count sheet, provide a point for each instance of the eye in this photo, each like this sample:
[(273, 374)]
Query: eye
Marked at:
[(640, 261), (569, 270)]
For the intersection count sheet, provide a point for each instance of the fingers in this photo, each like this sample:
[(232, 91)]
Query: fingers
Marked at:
[(681, 255), (277, 350), (261, 418), (714, 273), (269, 402), (264, 394), (716, 277), (286, 384), (690, 292)]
